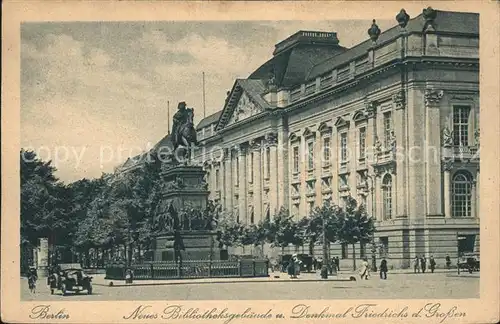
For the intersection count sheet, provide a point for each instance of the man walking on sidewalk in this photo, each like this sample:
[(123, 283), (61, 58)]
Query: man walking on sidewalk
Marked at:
[(416, 264), (432, 264), (383, 269), (423, 263)]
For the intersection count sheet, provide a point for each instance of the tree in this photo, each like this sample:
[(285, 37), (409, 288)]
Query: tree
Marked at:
[(45, 202), (354, 226), (284, 230), (229, 231)]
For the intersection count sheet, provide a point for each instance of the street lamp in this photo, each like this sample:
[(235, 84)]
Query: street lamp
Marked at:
[(374, 247)]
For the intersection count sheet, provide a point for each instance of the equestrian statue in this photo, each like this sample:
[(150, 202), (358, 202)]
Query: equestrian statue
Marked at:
[(183, 131)]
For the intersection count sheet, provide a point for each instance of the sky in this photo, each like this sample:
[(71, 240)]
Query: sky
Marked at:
[(95, 93)]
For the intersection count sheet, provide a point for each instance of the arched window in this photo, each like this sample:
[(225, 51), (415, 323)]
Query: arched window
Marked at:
[(387, 196), (461, 194)]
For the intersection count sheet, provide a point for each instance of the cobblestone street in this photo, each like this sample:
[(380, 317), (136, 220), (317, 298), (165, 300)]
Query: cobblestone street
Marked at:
[(397, 286)]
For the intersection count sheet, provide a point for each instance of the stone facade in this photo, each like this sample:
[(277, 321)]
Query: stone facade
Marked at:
[(367, 122), (392, 121)]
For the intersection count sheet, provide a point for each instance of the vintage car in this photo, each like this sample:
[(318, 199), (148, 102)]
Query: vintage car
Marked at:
[(469, 262), (69, 277)]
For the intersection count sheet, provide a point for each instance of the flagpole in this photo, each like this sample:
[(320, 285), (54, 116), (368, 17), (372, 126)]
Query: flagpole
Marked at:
[(168, 117), (204, 107)]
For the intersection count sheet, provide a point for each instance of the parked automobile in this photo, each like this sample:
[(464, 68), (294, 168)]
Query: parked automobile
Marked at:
[(70, 277), (469, 262), (306, 259)]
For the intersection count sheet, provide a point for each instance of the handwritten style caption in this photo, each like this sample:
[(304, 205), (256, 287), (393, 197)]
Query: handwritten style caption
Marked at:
[(300, 311)]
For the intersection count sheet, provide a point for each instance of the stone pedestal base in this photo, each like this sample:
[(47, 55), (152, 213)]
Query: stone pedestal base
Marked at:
[(198, 245)]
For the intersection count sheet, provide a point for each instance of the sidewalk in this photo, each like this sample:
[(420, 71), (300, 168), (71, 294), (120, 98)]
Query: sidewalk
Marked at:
[(99, 280)]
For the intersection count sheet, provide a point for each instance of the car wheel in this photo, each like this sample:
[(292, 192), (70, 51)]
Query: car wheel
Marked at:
[(63, 289)]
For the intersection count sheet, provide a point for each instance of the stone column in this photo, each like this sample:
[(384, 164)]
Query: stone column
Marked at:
[(401, 156), (272, 141), (257, 184), (243, 182), (228, 175), (283, 172), (371, 134), (379, 199), (432, 152), (473, 199), (478, 190), (447, 189)]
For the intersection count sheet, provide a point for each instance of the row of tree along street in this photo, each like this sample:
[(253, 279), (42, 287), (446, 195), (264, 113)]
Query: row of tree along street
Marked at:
[(116, 212)]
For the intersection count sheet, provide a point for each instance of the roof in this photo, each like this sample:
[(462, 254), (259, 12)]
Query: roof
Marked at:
[(291, 65), (166, 141), (255, 89), (445, 22), (211, 119)]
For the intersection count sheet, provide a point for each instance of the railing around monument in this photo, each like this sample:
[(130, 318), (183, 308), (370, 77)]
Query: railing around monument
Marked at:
[(190, 269)]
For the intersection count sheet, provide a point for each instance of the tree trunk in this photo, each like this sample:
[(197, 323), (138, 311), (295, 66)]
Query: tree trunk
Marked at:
[(311, 247), (354, 256)]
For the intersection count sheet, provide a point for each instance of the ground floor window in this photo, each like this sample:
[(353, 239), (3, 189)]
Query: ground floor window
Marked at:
[(384, 246), (466, 243)]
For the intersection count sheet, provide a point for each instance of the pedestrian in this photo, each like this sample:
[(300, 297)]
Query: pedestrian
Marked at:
[(432, 264), (364, 271), (448, 262), (337, 263), (298, 266), (32, 278), (129, 276), (315, 263), (416, 264), (383, 269), (292, 265), (423, 263)]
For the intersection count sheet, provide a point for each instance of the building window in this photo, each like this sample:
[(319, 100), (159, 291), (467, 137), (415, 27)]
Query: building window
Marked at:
[(217, 180), (461, 125), (345, 251), (252, 218), (384, 246), (268, 162), (296, 159), (251, 167), (362, 142), (326, 150), (387, 129), (387, 195), (462, 194), (343, 147), (310, 156)]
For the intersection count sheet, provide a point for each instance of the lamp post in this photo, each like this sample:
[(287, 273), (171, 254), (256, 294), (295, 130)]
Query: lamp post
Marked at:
[(374, 246)]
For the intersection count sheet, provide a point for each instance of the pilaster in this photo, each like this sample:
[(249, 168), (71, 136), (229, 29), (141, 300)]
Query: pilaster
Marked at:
[(432, 152), (447, 189), (243, 183), (399, 102), (228, 183), (256, 146), (272, 143)]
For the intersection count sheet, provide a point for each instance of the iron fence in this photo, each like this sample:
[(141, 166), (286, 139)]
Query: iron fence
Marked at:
[(189, 269)]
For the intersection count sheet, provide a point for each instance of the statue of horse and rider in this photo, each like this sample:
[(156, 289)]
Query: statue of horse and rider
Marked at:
[(183, 131)]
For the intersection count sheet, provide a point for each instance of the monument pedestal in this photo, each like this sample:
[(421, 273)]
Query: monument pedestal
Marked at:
[(198, 245), (185, 189)]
